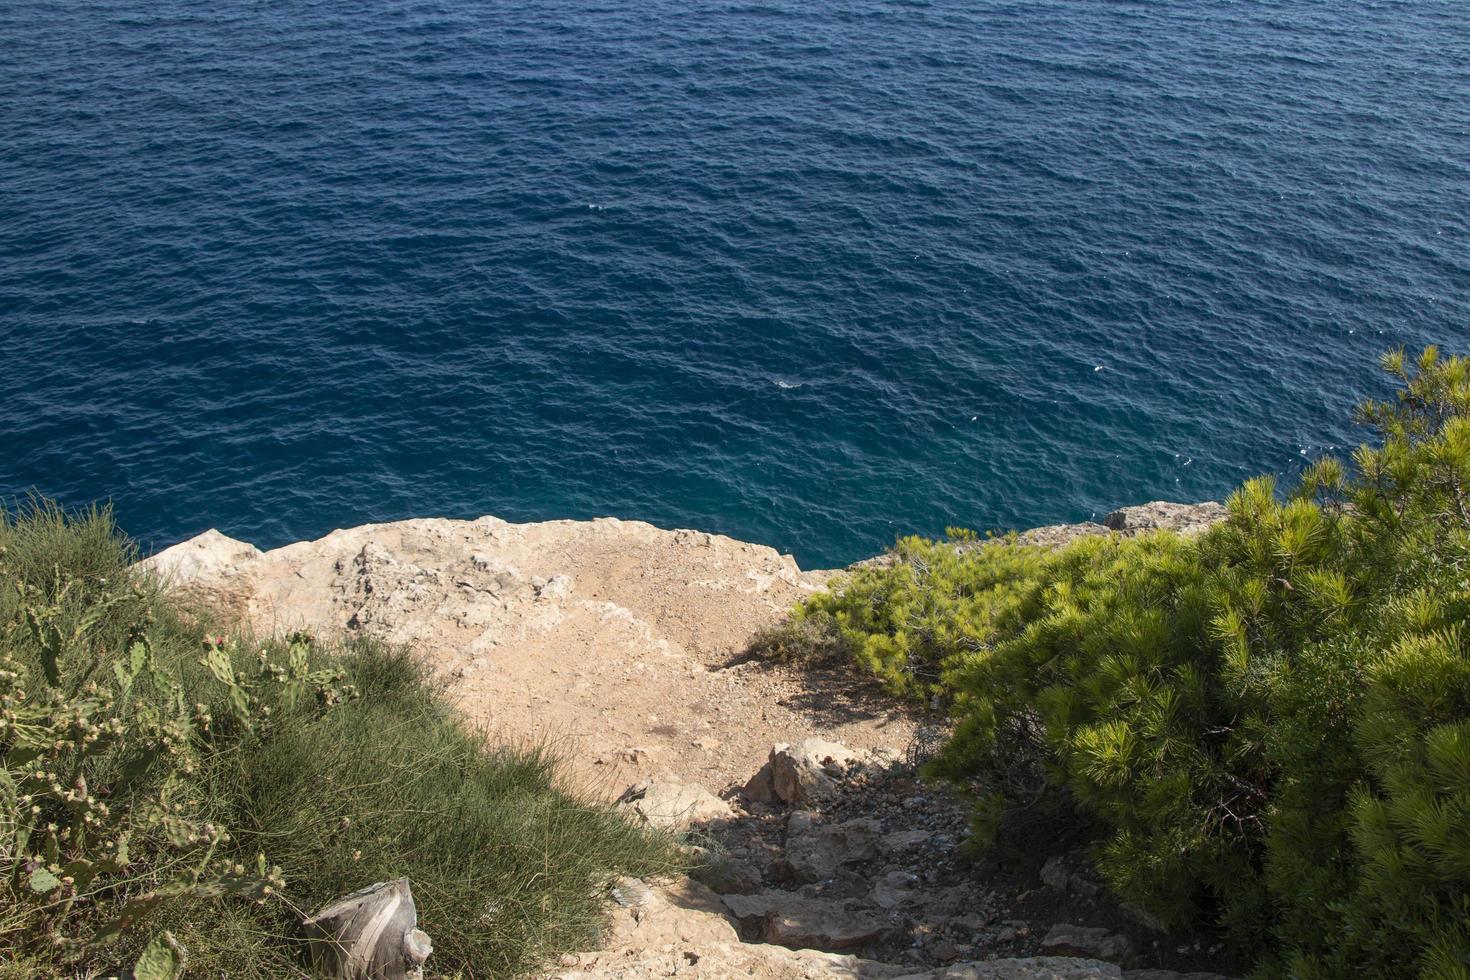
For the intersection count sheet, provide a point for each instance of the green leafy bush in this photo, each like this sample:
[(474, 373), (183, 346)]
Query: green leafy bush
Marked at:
[(1270, 724), (164, 789)]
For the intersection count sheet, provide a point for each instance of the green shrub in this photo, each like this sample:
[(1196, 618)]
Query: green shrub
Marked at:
[(159, 781), (911, 621), (1271, 723)]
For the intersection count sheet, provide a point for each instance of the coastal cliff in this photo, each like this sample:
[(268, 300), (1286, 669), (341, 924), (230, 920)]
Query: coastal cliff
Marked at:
[(625, 646), (618, 639), (613, 639)]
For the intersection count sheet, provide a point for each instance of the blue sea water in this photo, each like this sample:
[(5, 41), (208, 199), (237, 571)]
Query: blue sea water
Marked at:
[(806, 272)]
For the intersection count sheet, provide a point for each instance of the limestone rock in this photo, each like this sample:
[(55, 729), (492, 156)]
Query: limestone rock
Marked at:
[(632, 893), (730, 876), (674, 806), (895, 889), (1163, 515), (683, 930), (557, 587), (1130, 521), (815, 850), (203, 556), (794, 921), (759, 788), (801, 773), (210, 568), (1069, 940), (584, 631)]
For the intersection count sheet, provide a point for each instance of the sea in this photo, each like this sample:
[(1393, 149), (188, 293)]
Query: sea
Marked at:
[(810, 273)]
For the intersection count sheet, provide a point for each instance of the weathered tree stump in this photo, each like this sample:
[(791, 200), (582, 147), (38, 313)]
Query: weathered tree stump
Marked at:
[(371, 934)]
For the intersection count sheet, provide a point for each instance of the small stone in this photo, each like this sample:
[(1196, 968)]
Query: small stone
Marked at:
[(968, 923), (557, 587)]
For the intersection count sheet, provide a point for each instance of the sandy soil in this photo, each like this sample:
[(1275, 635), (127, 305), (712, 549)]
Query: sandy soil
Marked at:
[(617, 640)]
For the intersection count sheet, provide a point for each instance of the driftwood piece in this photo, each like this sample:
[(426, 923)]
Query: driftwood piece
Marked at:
[(371, 934)]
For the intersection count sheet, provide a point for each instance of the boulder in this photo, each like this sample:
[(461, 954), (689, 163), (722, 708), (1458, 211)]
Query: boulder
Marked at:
[(804, 773), (210, 569), (674, 806), (1065, 939)]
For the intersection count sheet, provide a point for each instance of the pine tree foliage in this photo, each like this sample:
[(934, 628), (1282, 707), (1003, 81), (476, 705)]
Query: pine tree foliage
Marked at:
[(1270, 723)]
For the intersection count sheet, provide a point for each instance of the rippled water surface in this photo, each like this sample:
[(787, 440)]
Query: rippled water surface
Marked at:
[(807, 273)]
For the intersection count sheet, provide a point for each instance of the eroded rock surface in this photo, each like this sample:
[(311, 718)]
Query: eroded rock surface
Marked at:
[(1158, 515), (827, 858), (613, 639), (674, 806), (685, 931), (1065, 939)]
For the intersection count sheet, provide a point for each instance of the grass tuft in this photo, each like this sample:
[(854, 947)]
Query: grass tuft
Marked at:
[(341, 764), (810, 637)]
